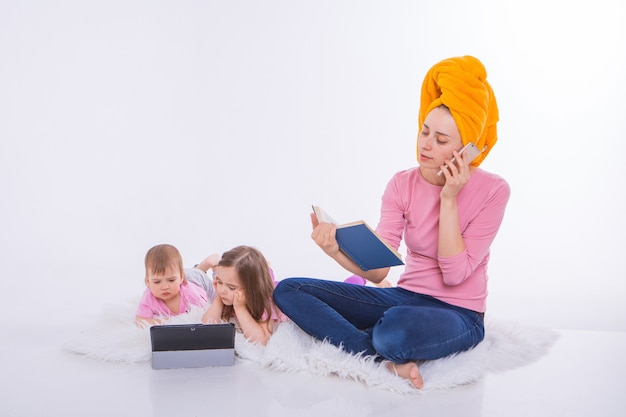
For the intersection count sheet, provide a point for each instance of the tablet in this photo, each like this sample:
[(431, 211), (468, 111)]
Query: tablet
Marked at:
[(192, 345)]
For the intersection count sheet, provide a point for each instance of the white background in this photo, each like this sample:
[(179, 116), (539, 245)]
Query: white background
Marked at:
[(208, 124)]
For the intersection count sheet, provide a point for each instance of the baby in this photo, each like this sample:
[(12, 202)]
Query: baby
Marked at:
[(172, 290)]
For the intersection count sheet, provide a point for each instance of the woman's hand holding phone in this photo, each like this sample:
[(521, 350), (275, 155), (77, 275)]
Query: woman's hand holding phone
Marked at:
[(457, 174), (472, 152)]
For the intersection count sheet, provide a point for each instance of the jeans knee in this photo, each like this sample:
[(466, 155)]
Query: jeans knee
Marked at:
[(280, 289), (436, 334), (390, 342), (283, 288)]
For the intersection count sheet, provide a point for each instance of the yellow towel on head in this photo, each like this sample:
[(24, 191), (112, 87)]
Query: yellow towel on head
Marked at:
[(461, 84)]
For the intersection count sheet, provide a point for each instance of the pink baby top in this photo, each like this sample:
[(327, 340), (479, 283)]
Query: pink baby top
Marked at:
[(190, 294), (410, 210)]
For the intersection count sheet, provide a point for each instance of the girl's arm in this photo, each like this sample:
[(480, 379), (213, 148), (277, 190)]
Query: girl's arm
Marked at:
[(254, 331), (214, 312), (324, 236)]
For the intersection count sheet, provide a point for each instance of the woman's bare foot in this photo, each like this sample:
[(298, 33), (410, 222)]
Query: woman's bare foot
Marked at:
[(408, 371)]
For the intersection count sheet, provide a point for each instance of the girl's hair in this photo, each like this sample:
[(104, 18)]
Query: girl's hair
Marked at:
[(255, 278), (161, 257)]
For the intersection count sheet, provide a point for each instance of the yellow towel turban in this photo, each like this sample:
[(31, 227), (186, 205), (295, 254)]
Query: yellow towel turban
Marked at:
[(461, 84)]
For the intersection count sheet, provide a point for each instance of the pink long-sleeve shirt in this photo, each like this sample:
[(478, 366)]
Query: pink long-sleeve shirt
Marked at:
[(410, 210)]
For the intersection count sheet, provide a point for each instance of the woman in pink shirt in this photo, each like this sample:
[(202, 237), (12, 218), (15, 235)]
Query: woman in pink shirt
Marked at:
[(448, 213)]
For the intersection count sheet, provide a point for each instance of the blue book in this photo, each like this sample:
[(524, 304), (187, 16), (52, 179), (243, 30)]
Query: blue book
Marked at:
[(362, 244)]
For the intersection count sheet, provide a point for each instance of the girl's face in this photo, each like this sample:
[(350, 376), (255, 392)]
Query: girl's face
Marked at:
[(438, 139), (227, 284), (165, 286)]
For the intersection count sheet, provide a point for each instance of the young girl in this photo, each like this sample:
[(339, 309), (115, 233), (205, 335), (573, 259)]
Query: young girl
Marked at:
[(172, 290), (244, 286)]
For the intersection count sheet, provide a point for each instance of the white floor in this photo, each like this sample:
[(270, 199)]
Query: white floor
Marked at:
[(583, 375)]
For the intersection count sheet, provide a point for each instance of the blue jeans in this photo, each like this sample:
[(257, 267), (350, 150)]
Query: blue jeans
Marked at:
[(392, 323)]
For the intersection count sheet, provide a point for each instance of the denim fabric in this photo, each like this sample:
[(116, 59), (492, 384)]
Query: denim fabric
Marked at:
[(394, 323)]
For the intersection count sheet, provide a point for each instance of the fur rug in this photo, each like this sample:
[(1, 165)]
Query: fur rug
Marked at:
[(507, 345)]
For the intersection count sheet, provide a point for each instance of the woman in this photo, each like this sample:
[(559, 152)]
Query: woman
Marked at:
[(448, 221)]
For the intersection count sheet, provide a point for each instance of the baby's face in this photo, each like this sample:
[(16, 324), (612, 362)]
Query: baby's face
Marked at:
[(167, 285)]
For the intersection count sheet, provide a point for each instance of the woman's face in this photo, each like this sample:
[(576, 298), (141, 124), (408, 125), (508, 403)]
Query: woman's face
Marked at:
[(438, 139)]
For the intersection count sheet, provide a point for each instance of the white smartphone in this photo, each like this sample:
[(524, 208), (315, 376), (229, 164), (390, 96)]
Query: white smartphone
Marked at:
[(472, 153)]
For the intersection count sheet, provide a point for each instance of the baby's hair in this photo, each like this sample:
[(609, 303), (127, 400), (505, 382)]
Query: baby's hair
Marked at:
[(161, 257), (254, 274)]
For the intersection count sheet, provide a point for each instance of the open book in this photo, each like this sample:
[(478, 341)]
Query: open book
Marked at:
[(361, 243)]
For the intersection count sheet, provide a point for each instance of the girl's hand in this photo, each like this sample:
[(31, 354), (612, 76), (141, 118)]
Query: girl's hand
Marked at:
[(324, 236), (457, 174), (239, 299)]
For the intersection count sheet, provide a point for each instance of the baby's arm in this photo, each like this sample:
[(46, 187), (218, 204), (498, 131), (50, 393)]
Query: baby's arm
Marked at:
[(147, 310), (146, 322)]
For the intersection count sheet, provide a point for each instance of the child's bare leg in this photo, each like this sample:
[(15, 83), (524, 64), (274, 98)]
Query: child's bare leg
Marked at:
[(408, 371), (210, 262)]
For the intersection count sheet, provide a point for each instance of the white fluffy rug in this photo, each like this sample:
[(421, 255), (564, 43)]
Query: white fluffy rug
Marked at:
[(507, 345)]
